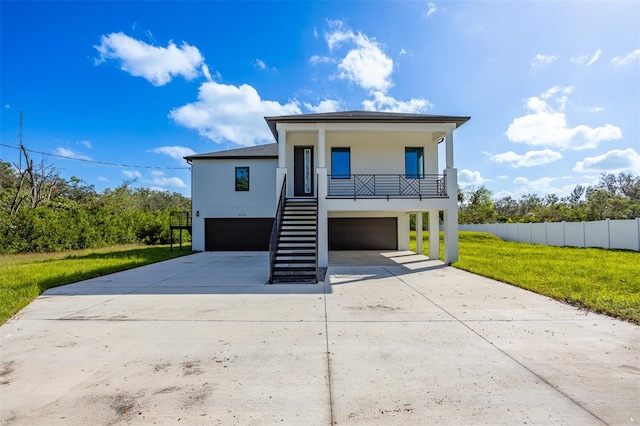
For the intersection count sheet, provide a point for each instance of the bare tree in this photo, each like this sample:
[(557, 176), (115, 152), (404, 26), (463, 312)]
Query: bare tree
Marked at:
[(35, 183)]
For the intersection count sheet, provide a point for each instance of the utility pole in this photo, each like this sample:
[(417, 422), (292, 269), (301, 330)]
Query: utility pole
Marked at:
[(20, 139)]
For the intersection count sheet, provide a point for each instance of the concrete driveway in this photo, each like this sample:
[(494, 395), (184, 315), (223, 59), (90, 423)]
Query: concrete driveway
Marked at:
[(389, 338)]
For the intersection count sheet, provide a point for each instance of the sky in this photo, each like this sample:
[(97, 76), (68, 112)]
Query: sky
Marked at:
[(121, 91)]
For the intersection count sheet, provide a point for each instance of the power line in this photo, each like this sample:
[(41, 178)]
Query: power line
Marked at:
[(96, 161)]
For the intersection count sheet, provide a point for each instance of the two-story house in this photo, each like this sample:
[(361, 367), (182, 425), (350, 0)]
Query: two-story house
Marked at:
[(332, 181)]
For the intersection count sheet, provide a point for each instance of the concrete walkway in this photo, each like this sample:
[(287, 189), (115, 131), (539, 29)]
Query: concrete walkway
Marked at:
[(390, 338)]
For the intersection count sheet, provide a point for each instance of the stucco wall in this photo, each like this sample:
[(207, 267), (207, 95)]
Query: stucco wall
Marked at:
[(214, 196), (371, 153)]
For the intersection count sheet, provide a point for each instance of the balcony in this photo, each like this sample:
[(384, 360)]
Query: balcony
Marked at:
[(386, 186)]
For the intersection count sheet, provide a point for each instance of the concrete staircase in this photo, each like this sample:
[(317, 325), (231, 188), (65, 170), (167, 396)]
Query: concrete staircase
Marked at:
[(296, 251)]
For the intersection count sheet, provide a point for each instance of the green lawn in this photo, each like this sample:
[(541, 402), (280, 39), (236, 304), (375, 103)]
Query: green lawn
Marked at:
[(606, 281), (23, 277)]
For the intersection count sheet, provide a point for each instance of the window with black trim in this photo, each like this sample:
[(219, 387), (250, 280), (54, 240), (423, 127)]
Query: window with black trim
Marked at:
[(242, 178), (340, 163), (414, 162)]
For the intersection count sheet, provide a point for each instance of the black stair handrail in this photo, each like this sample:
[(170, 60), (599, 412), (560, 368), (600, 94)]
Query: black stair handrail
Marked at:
[(180, 218), (275, 229), (317, 217)]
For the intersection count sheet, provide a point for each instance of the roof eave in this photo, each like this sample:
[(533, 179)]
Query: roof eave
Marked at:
[(319, 118)]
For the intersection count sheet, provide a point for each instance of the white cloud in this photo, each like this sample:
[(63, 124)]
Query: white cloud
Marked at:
[(613, 162), (403, 51), (543, 126), (227, 113), (156, 64), (259, 63), (594, 58), (86, 143), (160, 180), (327, 105), (382, 102), (7, 106), (629, 57), (596, 109), (529, 159), (586, 58), (68, 153), (540, 60), (316, 59), (132, 174), (102, 179), (431, 9), (177, 152), (467, 177), (365, 65), (206, 73), (540, 187)]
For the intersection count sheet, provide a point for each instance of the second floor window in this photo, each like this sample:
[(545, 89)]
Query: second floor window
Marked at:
[(414, 162), (242, 178), (340, 163)]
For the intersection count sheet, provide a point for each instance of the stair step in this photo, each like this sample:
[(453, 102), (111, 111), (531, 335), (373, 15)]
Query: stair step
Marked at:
[(304, 261), (294, 279), (298, 237), (295, 269), (301, 246), (306, 243), (296, 253)]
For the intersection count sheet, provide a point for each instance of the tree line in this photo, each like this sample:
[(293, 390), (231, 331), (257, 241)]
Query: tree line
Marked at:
[(42, 212), (615, 196)]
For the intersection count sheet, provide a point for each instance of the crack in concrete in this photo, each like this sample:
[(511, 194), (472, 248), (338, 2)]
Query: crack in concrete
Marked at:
[(501, 351), (326, 335)]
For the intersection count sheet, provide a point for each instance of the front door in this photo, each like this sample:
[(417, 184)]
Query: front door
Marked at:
[(303, 171)]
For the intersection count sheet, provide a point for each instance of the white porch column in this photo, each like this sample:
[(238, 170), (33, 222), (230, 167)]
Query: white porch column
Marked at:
[(449, 148), (322, 160), (282, 146), (281, 172), (419, 232), (321, 188), (434, 235), (404, 220), (323, 221), (451, 218)]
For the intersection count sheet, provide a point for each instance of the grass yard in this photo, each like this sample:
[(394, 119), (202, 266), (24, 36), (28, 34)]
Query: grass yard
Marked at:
[(606, 281), (24, 276)]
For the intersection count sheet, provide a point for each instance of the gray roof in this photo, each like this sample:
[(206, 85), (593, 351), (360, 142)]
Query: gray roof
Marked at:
[(258, 151), (363, 117)]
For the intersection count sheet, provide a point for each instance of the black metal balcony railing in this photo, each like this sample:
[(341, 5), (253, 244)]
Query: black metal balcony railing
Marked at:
[(386, 186)]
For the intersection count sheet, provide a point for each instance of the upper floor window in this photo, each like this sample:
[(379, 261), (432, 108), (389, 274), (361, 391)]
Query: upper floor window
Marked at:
[(340, 163), (414, 162), (242, 178)]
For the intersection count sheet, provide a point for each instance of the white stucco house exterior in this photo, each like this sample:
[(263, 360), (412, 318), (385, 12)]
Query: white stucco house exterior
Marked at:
[(355, 177)]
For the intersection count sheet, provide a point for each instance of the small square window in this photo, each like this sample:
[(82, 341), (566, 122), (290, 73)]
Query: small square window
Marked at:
[(242, 178)]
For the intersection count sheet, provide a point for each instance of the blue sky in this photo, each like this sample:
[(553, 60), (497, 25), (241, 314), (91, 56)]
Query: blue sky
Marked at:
[(553, 88)]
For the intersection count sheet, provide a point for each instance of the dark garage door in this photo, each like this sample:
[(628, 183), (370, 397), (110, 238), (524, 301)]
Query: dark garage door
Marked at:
[(250, 234), (371, 233)]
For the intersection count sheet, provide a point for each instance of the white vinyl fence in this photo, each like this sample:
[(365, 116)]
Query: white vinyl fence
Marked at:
[(609, 234)]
